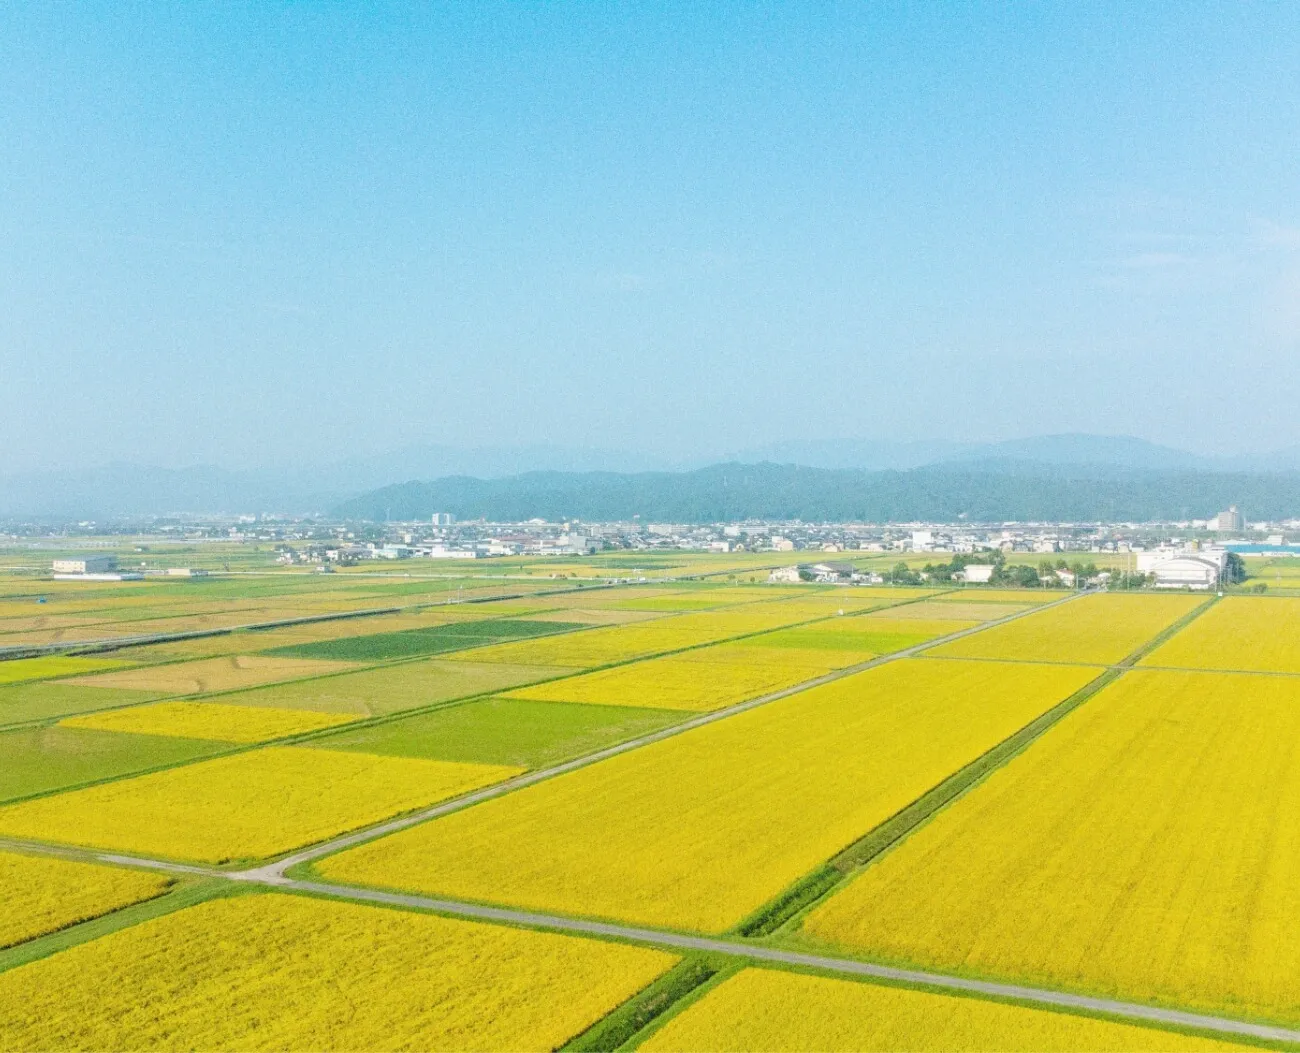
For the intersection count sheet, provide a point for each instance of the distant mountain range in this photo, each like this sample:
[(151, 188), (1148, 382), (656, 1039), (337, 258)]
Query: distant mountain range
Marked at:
[(802, 479), (981, 492)]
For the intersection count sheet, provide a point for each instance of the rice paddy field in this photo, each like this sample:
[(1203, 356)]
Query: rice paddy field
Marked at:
[(395, 830)]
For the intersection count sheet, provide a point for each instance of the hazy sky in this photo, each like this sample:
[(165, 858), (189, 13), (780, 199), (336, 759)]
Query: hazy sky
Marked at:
[(246, 234)]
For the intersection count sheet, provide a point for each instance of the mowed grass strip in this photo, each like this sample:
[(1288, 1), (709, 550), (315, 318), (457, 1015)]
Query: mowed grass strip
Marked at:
[(502, 731), (699, 830), (39, 895), (36, 760), (25, 669), (1146, 848), (1238, 632), (412, 643), (1101, 629), (210, 674), (214, 721), (245, 806), (767, 1009), (274, 972)]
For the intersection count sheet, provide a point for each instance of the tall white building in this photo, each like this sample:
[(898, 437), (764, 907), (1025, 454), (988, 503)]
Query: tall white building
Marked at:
[(1229, 522)]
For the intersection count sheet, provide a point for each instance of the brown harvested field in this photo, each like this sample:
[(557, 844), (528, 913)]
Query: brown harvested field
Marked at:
[(213, 674)]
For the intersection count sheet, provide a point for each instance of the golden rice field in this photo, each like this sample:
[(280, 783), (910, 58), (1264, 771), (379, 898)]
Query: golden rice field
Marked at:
[(763, 1009), (40, 894), (1101, 629), (1238, 632), (674, 683), (245, 806), (213, 674), (26, 669), (699, 830), (275, 972), (209, 720), (1147, 847)]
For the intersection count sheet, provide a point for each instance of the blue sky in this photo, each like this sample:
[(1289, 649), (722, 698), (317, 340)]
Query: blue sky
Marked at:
[(253, 234)]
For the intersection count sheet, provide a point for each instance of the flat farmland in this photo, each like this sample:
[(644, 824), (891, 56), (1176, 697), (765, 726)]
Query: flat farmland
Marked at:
[(274, 972), (699, 830), (507, 731), (763, 1009), (215, 721), (392, 689), (1238, 632), (36, 760), (246, 806), (211, 674), (50, 699), (39, 895), (27, 669), (676, 682), (1147, 847), (414, 643), (1100, 629), (622, 643)]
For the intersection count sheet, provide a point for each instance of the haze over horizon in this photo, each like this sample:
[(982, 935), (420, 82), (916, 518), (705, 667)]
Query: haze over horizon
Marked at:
[(250, 236)]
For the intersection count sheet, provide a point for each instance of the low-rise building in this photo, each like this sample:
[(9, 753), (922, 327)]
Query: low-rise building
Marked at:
[(99, 564), (977, 573)]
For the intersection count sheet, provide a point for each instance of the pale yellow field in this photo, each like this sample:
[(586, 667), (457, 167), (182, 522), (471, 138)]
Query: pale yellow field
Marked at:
[(699, 830), (1148, 847), (980, 594), (1238, 632), (249, 805), (763, 1009), (213, 674), (209, 720), (39, 894), (275, 972), (674, 683), (1102, 629), (24, 669)]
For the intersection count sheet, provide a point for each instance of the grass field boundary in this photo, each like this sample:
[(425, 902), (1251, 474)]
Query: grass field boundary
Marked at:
[(620, 1028), (186, 892), (790, 906)]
